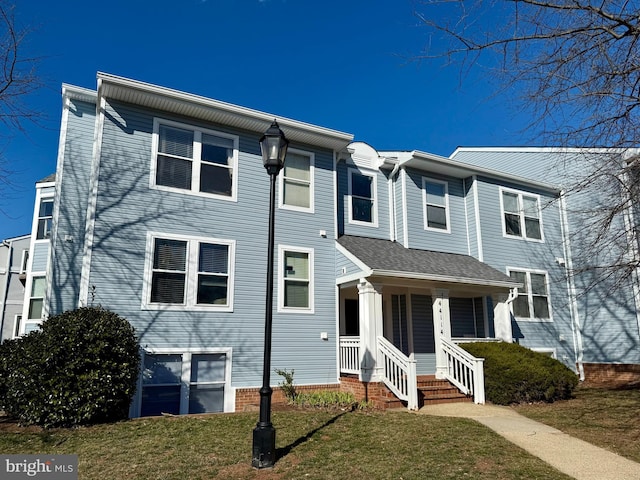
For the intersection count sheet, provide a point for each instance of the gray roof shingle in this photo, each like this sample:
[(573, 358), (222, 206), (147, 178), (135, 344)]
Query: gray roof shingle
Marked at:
[(391, 258)]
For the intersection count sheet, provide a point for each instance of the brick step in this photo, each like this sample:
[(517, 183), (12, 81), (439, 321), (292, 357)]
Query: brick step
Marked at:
[(434, 393), (437, 401)]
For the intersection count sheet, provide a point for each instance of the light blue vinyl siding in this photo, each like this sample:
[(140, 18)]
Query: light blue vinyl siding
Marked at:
[(40, 257), (470, 215), (343, 263), (128, 209), (72, 207), (398, 212), (453, 242)]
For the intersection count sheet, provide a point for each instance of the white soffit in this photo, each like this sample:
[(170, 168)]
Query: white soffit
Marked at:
[(215, 111)]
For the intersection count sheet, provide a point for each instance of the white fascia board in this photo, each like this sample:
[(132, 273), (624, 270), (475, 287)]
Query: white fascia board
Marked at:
[(445, 279), (354, 277), (146, 94), (79, 93), (421, 159), (351, 257), (536, 150), (45, 184)]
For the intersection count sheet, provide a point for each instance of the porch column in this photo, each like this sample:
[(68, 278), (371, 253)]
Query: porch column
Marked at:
[(502, 317), (370, 319), (441, 326)]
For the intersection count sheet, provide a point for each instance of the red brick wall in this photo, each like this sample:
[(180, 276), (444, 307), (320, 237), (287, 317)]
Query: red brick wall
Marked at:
[(612, 375), (249, 398)]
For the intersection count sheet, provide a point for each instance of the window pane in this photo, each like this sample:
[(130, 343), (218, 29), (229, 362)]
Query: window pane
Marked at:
[(297, 166), (217, 149), (167, 287), (212, 290), (206, 398), (361, 185), (530, 206), (46, 208), (170, 254), (208, 368), (435, 193), (540, 307), (175, 141), (512, 224), (159, 400), (538, 284), (296, 194), (296, 265), (296, 294), (44, 228), (38, 286), (436, 217), (173, 172), (213, 258), (35, 308), (162, 368), (362, 209), (532, 228), (510, 202), (215, 179), (521, 306), (520, 277)]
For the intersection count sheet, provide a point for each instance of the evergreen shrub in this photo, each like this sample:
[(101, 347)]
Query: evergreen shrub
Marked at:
[(515, 374), (80, 368)]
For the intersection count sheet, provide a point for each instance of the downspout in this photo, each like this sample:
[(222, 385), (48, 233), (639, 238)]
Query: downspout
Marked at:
[(576, 330), (392, 201)]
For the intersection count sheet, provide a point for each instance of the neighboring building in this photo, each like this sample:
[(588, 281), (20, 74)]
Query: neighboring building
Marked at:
[(384, 261), (14, 256)]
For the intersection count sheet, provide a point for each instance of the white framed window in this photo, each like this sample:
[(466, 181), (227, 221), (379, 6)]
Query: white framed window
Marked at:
[(295, 289), (24, 261), (186, 382), (188, 272), (45, 219), (296, 181), (532, 301), (521, 217), (193, 160), (435, 200), (17, 325), (363, 198), (36, 298)]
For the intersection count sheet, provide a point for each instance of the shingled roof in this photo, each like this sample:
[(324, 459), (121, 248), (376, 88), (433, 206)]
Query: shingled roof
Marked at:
[(387, 258)]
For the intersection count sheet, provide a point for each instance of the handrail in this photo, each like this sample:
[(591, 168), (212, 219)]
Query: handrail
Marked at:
[(350, 355), (398, 372), (464, 370)]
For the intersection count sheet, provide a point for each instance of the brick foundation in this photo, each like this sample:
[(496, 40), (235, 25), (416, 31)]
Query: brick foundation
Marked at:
[(248, 399), (612, 375)]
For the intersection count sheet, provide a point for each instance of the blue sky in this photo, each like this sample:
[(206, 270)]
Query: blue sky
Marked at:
[(341, 64)]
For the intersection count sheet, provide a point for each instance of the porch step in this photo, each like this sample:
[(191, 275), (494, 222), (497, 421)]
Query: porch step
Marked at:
[(432, 391)]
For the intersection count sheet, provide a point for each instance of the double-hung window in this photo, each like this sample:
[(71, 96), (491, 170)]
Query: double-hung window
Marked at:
[(362, 195), (296, 279), (436, 205), (532, 302), (45, 219), (193, 160), (189, 272), (521, 215), (296, 181)]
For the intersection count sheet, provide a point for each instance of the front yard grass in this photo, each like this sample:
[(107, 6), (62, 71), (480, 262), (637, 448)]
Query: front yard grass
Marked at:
[(607, 418), (312, 444)]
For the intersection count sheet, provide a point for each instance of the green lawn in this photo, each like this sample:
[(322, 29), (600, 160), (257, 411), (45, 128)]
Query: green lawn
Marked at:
[(312, 444), (607, 418)]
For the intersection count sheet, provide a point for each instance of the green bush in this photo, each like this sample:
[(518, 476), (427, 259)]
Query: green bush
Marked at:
[(515, 374), (80, 368)]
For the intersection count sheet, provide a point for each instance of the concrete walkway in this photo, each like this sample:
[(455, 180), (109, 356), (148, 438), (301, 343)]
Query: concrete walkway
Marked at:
[(572, 456)]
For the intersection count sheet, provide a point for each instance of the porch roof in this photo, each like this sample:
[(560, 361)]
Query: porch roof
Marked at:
[(386, 258)]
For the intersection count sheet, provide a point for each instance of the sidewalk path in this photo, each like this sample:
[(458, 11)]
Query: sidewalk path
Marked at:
[(572, 456)]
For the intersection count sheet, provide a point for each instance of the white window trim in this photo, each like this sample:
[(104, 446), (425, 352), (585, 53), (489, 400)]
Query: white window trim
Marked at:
[(521, 213), (311, 208), (374, 193), (281, 265), (24, 259), (195, 173), (229, 392), (530, 295), (446, 204), (191, 274), (547, 351)]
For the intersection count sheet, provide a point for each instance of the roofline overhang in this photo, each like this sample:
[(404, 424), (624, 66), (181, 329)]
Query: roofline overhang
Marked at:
[(448, 166), (210, 110), (79, 93)]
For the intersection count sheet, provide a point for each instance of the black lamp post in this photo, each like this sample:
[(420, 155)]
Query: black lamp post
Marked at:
[(274, 150)]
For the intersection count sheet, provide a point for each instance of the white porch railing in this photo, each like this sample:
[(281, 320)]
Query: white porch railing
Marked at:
[(464, 370), (398, 372), (350, 355)]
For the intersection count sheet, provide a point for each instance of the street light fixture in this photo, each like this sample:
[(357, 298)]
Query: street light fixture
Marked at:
[(274, 150)]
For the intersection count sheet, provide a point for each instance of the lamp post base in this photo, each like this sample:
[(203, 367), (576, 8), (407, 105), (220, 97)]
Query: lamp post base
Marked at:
[(264, 446)]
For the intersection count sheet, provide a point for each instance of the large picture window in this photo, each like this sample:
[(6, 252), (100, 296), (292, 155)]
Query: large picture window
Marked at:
[(436, 205), (194, 160), (296, 279), (521, 215), (189, 272), (296, 181), (532, 302), (362, 195)]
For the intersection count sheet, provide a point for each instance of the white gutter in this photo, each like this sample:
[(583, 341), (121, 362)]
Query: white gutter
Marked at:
[(444, 278)]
